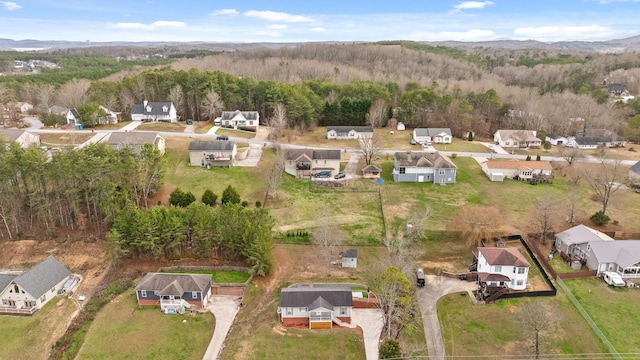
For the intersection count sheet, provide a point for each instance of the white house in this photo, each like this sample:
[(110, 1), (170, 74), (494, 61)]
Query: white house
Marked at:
[(432, 135), (24, 138), (574, 241), (154, 111), (249, 120), (209, 154), (497, 170), (135, 140), (582, 142), (349, 132), (516, 138), (502, 267), (31, 290), (554, 139), (349, 258), (303, 163), (315, 306)]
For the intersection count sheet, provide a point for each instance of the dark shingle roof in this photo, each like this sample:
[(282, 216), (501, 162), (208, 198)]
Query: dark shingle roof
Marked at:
[(432, 131), (346, 129), (152, 108), (635, 168), (423, 159), (132, 138), (503, 256), (586, 140), (320, 302), (351, 253), (165, 281), (294, 154), (304, 297), (211, 145), (42, 277)]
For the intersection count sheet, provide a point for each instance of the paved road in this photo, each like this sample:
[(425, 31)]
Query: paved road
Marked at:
[(224, 308), (370, 321), (435, 288)]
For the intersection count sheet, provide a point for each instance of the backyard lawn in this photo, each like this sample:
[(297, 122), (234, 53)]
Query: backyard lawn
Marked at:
[(614, 310), (161, 126), (227, 276), (121, 330)]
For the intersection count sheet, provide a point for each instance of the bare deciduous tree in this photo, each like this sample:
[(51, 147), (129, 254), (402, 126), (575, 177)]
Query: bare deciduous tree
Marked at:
[(211, 104), (543, 216), (176, 95), (73, 93), (369, 147), (277, 122), (571, 154), (327, 236), (377, 113), (476, 223), (537, 321), (275, 176), (45, 96), (605, 179)]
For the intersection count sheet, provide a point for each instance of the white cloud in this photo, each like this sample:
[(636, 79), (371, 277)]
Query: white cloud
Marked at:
[(277, 16), (222, 12), (566, 32), (472, 5), (318, 29), (9, 5), (277, 26), (153, 26), (268, 33)]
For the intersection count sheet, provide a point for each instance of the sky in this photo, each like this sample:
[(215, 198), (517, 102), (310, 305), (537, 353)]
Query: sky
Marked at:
[(312, 20)]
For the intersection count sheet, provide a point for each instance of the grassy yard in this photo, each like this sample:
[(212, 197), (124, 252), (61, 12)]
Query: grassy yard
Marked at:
[(491, 330), (31, 337), (229, 276), (117, 126), (250, 182), (614, 310), (162, 126), (462, 146), (123, 331), (64, 139), (236, 133)]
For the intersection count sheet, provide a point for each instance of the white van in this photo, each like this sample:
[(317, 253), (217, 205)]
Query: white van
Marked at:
[(613, 278)]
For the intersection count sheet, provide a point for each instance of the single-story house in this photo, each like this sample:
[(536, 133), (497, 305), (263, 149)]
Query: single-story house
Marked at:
[(22, 107), (605, 137), (315, 307), (24, 138), (174, 292), (554, 139), (432, 135), (621, 256), (303, 163), (219, 153), (371, 172), (517, 138), (430, 167), (154, 111), (26, 293), (349, 132), (634, 174), (497, 170), (582, 142), (617, 90), (249, 120), (135, 140), (576, 240), (58, 110), (349, 258), (501, 267)]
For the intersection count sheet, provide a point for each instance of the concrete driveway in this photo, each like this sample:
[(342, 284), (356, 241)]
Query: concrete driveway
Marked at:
[(352, 166), (435, 288), (224, 308), (370, 321), (253, 157)]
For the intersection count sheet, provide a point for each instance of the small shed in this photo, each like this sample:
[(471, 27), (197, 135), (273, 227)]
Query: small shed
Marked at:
[(349, 258), (371, 172)]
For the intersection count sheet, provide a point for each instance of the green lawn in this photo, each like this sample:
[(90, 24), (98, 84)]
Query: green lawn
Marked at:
[(226, 276), (29, 337), (162, 126), (614, 310), (462, 146), (123, 331), (472, 330)]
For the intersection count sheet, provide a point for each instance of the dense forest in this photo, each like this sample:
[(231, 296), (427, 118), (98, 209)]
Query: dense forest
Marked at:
[(355, 84)]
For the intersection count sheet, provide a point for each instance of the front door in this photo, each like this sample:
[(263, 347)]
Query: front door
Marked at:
[(420, 178)]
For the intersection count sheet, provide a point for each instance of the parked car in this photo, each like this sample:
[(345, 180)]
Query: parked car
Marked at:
[(420, 277), (189, 122), (323, 174), (413, 142), (340, 175), (222, 137)]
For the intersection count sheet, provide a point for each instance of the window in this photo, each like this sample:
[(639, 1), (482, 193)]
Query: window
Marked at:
[(143, 293), (194, 294), (498, 268), (16, 289), (520, 282), (343, 310), (441, 171), (30, 304), (43, 298), (303, 309), (522, 270), (289, 311), (527, 173), (402, 170), (4, 302), (155, 292)]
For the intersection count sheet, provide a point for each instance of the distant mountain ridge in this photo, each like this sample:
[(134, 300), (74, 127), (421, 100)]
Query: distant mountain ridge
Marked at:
[(630, 44)]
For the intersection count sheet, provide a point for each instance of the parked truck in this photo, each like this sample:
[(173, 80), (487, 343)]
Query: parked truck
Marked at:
[(420, 277)]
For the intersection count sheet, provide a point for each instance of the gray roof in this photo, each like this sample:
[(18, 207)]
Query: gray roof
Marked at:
[(133, 138), (320, 302), (5, 280), (581, 234), (622, 252), (304, 297), (58, 110), (518, 135), (346, 129), (432, 131), (11, 134), (217, 145), (555, 136), (156, 108), (247, 115), (172, 283), (635, 168), (42, 277), (423, 159), (586, 140), (351, 253), (294, 154)]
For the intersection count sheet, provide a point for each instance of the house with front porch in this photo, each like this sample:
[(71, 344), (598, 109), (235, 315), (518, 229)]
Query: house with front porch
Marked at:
[(517, 139), (315, 307), (210, 154), (349, 132), (27, 292), (431, 167), (135, 140), (23, 138), (247, 120), (174, 292), (497, 170), (501, 267), (303, 163), (582, 142), (432, 135), (154, 111)]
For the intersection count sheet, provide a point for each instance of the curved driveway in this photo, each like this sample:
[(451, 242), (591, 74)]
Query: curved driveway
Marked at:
[(435, 288), (224, 308)]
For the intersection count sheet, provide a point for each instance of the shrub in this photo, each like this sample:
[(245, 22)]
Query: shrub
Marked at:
[(470, 136), (538, 157), (180, 198), (390, 349), (528, 158), (454, 155), (600, 218), (230, 195), (245, 203), (209, 198), (258, 204)]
